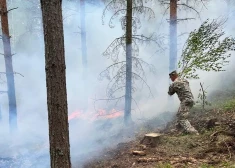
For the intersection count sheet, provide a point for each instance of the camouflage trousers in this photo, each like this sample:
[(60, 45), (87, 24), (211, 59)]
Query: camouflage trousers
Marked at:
[(182, 117)]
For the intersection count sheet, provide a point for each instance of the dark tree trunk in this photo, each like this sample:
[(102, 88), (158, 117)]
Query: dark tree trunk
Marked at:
[(128, 96), (173, 35), (84, 50), (9, 67), (56, 83), (173, 43), (0, 113)]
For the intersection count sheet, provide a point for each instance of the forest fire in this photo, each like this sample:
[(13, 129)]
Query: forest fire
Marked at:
[(100, 114)]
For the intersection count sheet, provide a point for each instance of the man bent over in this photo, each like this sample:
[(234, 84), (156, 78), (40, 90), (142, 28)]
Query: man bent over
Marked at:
[(182, 89)]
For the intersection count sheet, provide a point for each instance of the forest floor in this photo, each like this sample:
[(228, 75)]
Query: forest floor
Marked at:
[(214, 147)]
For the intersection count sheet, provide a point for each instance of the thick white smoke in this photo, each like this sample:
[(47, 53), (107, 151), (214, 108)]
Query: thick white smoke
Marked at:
[(29, 148)]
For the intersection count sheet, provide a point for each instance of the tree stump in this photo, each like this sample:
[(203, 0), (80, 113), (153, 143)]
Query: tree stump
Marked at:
[(151, 139), (212, 123), (140, 153)]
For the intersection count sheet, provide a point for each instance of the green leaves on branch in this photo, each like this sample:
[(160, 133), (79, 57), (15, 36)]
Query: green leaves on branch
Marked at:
[(205, 50)]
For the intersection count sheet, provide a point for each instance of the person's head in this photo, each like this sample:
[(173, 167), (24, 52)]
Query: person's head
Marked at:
[(173, 75)]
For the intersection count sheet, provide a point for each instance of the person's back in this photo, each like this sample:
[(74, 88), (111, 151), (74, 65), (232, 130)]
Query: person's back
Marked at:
[(182, 89)]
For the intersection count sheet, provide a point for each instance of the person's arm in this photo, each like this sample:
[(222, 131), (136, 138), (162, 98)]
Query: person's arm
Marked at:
[(171, 90)]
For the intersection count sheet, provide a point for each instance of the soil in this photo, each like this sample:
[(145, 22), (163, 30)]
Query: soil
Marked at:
[(214, 147)]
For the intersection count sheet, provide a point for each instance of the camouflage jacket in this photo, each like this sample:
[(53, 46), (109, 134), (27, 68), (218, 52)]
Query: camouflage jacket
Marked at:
[(182, 89)]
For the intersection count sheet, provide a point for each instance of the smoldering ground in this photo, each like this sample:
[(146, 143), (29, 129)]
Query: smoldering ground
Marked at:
[(30, 147)]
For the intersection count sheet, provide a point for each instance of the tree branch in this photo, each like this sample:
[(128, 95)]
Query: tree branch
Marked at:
[(190, 7), (12, 9), (16, 73), (4, 54), (144, 82), (2, 92)]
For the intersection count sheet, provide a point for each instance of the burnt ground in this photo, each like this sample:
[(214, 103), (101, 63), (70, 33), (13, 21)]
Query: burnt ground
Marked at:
[(214, 147)]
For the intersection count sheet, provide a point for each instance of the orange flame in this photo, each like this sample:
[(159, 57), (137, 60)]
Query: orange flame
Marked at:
[(101, 114)]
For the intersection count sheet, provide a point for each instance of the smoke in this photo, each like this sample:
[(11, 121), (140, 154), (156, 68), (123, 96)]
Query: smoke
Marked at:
[(30, 147)]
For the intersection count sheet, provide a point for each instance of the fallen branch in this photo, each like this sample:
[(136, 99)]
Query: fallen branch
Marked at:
[(141, 153), (223, 132), (215, 133), (149, 159), (228, 149)]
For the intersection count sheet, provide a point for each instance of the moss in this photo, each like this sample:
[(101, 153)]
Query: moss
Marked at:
[(163, 165), (206, 166), (227, 165)]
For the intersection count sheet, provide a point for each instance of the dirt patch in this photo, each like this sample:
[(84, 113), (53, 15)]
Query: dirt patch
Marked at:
[(215, 146)]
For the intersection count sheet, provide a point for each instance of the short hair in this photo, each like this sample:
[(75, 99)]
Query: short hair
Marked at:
[(173, 73)]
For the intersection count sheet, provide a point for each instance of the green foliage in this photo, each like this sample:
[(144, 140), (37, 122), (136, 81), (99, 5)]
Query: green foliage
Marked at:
[(206, 166), (205, 50), (228, 165), (163, 165), (229, 105)]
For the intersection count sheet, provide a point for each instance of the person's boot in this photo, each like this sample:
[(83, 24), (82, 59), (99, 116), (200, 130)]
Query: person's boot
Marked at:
[(188, 128)]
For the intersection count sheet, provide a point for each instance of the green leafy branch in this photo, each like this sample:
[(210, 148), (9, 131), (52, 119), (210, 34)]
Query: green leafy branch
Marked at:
[(205, 50)]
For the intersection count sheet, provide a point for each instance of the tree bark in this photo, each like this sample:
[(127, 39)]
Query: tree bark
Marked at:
[(56, 83), (128, 96), (8, 66), (0, 113), (173, 35), (152, 139), (173, 44), (84, 50)]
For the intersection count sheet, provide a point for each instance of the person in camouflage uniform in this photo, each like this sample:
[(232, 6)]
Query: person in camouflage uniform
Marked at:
[(182, 89)]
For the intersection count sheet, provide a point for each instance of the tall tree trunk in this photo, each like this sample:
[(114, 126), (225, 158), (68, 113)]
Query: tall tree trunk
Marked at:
[(84, 51), (128, 96), (56, 83), (173, 35), (9, 67), (173, 44), (0, 113)]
